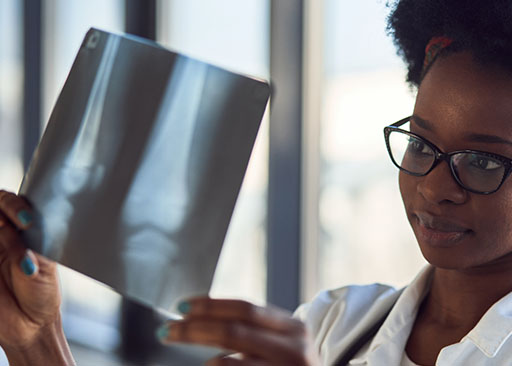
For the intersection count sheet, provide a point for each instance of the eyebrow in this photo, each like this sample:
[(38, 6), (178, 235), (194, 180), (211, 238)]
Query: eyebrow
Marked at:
[(475, 137), (422, 123), (487, 138)]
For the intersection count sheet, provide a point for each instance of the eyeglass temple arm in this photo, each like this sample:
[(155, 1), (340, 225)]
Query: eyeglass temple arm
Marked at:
[(401, 122)]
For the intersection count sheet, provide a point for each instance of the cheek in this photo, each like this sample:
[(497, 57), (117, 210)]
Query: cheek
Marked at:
[(494, 217)]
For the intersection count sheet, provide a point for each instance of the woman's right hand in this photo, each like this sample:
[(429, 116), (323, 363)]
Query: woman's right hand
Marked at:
[(30, 322), (262, 336)]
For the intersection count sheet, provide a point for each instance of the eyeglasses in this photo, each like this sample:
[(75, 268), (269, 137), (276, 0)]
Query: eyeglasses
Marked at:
[(476, 171)]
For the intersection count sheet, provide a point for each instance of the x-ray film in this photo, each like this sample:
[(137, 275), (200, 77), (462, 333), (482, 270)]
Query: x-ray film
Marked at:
[(136, 176)]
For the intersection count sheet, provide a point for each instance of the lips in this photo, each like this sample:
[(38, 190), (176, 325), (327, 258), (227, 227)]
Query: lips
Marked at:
[(439, 231)]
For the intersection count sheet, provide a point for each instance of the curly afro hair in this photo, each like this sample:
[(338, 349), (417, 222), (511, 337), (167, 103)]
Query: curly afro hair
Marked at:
[(482, 27)]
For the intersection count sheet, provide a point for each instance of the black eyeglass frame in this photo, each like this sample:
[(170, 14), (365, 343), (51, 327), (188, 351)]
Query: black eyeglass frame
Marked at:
[(441, 156)]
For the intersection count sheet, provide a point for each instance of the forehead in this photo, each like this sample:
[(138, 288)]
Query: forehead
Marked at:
[(459, 95)]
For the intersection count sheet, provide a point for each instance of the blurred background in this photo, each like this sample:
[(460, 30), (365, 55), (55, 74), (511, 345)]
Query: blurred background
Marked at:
[(319, 206)]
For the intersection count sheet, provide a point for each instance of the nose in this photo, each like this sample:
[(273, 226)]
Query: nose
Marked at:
[(440, 186)]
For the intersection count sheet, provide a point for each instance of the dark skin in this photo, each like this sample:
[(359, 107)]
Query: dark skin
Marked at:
[(31, 330), (458, 103), (462, 106), (261, 335)]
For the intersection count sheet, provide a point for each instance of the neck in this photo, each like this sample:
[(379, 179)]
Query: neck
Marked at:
[(459, 298)]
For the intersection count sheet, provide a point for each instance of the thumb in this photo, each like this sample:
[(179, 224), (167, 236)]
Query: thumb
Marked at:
[(29, 264)]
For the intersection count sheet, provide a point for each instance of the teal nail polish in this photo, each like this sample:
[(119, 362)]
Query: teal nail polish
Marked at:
[(27, 266), (25, 217), (162, 332), (184, 307)]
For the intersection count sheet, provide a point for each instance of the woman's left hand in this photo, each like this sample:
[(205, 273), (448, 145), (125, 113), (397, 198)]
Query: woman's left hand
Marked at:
[(261, 335)]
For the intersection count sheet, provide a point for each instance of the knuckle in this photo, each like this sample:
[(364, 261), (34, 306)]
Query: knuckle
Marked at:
[(230, 332), (299, 326), (248, 311), (300, 359), (9, 200), (180, 331)]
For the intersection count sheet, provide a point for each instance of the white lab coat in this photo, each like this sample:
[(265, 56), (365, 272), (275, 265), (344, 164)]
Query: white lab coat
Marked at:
[(337, 317)]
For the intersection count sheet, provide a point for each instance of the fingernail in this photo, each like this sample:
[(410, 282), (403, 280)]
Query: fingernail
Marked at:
[(27, 266), (184, 307), (162, 333), (25, 217)]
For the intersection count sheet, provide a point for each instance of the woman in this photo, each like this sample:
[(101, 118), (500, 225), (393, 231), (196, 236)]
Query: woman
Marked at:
[(458, 201), (454, 155)]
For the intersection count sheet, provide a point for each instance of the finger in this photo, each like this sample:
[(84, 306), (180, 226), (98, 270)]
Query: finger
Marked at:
[(231, 361), (45, 265), (13, 250), (223, 359), (29, 264), (16, 209), (12, 253), (9, 236), (239, 337), (269, 317)]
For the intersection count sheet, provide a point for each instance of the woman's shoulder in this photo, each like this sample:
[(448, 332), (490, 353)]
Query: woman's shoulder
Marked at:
[(346, 311), (353, 298)]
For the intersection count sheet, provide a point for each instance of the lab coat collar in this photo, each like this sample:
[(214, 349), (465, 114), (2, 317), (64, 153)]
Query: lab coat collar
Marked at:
[(395, 330), (489, 335), (495, 327)]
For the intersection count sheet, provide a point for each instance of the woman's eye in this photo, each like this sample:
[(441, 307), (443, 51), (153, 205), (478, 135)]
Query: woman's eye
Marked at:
[(484, 163), (418, 147)]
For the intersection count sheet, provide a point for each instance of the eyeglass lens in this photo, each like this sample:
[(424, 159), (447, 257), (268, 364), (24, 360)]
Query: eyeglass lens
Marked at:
[(475, 171)]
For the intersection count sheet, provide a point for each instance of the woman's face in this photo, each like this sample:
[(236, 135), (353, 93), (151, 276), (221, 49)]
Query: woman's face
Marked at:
[(461, 105)]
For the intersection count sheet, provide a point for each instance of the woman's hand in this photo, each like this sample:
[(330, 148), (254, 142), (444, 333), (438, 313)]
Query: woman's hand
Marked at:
[(262, 336), (30, 323)]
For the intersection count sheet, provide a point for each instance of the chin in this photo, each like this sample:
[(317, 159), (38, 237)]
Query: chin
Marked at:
[(465, 257), (456, 256), (442, 260)]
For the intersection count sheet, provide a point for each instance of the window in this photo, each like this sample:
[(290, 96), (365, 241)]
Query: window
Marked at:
[(65, 24), (11, 89), (364, 234)]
